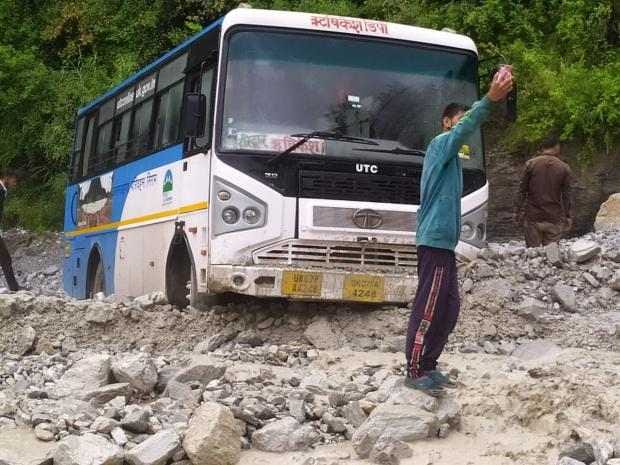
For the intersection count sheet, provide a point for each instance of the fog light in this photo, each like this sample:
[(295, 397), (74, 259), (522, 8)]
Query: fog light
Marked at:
[(223, 195), (230, 215), (467, 231), (251, 215), (481, 232)]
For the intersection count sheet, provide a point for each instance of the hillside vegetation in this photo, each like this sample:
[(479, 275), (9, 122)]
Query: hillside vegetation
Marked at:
[(59, 54)]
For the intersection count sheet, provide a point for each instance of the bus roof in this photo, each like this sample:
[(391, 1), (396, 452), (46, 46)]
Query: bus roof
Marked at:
[(310, 21)]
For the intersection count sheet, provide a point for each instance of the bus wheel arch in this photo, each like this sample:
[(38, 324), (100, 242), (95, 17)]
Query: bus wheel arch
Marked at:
[(95, 274), (180, 270)]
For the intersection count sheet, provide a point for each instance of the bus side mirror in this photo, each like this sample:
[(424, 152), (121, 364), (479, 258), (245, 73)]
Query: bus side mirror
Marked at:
[(194, 114)]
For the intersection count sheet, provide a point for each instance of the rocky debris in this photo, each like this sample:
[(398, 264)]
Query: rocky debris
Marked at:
[(389, 452), (284, 435), (584, 250), (321, 335), (565, 296), (106, 393), (88, 449), (216, 341), (354, 414), (156, 450), (138, 370), (569, 461), (45, 432), (532, 309), (99, 313), (554, 256), (608, 216), (136, 419)]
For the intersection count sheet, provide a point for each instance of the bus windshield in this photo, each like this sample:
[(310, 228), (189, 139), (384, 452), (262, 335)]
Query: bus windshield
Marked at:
[(283, 83)]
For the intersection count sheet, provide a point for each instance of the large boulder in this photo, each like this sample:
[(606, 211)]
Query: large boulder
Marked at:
[(584, 250), (86, 375), (88, 449), (156, 450), (284, 435), (322, 335), (565, 296), (137, 370), (608, 216), (212, 437)]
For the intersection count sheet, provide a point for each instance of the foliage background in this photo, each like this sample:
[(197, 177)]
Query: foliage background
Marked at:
[(59, 54)]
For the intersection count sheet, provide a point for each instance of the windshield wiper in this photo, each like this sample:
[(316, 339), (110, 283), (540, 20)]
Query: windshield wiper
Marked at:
[(396, 150), (325, 135)]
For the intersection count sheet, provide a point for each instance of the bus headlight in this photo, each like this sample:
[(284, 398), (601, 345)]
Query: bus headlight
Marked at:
[(230, 215), (251, 215), (223, 195), (467, 231), (473, 227)]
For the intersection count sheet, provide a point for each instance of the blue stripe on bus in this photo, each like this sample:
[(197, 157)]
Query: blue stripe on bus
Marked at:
[(147, 69), (106, 241)]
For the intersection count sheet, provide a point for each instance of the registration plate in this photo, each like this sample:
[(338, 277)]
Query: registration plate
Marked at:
[(364, 288), (302, 283)]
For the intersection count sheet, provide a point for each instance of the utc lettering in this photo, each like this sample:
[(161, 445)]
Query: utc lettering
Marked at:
[(365, 168)]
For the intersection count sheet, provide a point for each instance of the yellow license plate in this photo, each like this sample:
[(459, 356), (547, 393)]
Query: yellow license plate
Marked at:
[(302, 283), (363, 288)]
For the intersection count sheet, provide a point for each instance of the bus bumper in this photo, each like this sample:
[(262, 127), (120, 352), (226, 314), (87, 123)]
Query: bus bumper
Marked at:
[(312, 284)]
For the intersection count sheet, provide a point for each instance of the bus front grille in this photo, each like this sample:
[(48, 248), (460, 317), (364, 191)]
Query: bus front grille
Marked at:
[(371, 188), (343, 255)]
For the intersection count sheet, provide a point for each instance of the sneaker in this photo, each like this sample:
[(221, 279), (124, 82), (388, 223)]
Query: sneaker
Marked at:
[(425, 384), (442, 379)]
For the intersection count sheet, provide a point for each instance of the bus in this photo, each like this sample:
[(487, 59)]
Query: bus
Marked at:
[(273, 154)]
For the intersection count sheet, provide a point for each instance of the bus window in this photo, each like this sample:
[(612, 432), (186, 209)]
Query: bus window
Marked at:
[(88, 145), (206, 88), (122, 125), (141, 133), (169, 116), (104, 147), (77, 149), (172, 72)]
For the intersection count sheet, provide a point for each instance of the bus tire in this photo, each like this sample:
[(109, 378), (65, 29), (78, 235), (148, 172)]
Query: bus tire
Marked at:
[(180, 273), (96, 275)]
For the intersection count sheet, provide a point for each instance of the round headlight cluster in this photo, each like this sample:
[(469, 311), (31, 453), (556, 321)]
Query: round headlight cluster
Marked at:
[(251, 215), (230, 215), (467, 231)]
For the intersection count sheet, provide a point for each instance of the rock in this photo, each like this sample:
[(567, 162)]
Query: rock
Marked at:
[(51, 270), (250, 338), (565, 296), (532, 309), (354, 414), (613, 461), (577, 450), (266, 323), (104, 425), (184, 393), (25, 340), (88, 373), (105, 394), (100, 313), (44, 432), (488, 329), (202, 372), (569, 461), (395, 422), (212, 438), (388, 452), (244, 374), (614, 282), (592, 281), (136, 419), (321, 335), (584, 250), (284, 435), (603, 451), (608, 216), (468, 285), (393, 344), (137, 370), (334, 424), (156, 450), (145, 301), (537, 350), (88, 449), (215, 341), (119, 436), (297, 406), (552, 251)]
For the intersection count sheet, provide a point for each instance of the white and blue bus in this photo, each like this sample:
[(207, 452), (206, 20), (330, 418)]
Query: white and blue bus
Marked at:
[(273, 154)]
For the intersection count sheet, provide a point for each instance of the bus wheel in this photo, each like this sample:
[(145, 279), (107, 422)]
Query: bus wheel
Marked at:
[(180, 277), (96, 275)]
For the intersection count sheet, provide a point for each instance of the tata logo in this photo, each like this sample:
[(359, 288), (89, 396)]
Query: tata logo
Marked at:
[(367, 219), (365, 168)]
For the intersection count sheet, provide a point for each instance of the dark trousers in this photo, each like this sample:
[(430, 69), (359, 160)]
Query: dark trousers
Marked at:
[(435, 309), (7, 266)]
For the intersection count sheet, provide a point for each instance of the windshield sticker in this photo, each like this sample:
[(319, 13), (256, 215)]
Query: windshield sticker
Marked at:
[(349, 25), (278, 143), (465, 152)]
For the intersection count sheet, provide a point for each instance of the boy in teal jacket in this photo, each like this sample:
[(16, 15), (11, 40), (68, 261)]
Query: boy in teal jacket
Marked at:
[(436, 305)]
